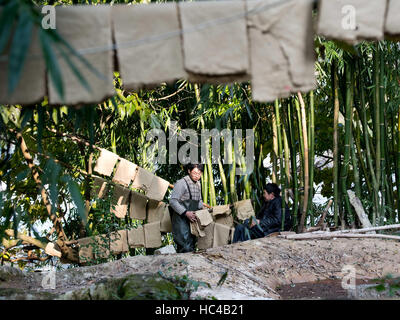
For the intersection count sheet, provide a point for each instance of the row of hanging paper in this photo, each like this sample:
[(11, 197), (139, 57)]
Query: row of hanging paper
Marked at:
[(270, 42), (267, 42)]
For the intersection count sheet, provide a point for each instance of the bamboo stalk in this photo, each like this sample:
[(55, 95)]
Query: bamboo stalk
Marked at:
[(294, 162), (306, 165), (335, 87), (346, 158), (282, 173)]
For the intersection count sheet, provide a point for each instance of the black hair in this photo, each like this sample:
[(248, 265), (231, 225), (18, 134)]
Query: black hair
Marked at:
[(273, 188), (191, 166)]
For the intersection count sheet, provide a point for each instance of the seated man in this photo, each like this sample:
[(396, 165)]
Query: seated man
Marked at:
[(269, 218), (185, 199)]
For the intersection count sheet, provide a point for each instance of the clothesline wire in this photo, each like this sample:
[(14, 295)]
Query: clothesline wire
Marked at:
[(175, 33)]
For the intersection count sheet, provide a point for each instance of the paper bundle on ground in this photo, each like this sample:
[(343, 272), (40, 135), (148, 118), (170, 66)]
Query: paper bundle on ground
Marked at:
[(106, 162), (143, 179), (352, 20), (152, 235), (136, 237), (204, 217), (86, 250), (281, 48), (155, 210), (31, 87), (244, 209), (157, 189), (85, 27), (158, 59), (137, 208), (392, 25), (221, 235), (206, 241), (119, 242), (99, 188), (214, 51), (101, 248), (221, 210), (166, 225), (120, 201), (125, 172)]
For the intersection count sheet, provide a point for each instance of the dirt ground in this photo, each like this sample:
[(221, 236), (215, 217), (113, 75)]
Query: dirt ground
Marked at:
[(268, 268)]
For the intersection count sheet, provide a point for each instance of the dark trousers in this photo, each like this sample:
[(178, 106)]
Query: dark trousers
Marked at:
[(184, 240), (244, 233)]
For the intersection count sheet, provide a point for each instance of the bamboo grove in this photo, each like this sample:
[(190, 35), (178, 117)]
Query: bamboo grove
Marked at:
[(343, 136)]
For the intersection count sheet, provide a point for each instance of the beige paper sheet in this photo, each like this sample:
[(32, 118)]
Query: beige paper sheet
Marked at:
[(125, 172), (206, 241), (120, 201), (392, 25), (136, 237), (221, 235), (85, 27), (160, 59), (138, 203), (221, 209), (152, 235), (106, 162), (244, 209), (155, 210), (281, 53), (119, 242), (85, 250), (158, 188), (204, 217), (166, 224), (225, 219), (102, 248), (220, 49), (196, 230), (143, 180), (31, 87), (99, 188), (333, 22)]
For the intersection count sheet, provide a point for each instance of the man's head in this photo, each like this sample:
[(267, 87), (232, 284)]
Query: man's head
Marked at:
[(195, 171), (271, 191)]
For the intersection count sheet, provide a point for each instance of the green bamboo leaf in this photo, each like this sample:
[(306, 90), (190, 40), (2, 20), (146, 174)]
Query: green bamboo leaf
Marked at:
[(75, 70), (27, 114), (76, 197), (51, 62), (6, 23), (19, 48), (40, 127)]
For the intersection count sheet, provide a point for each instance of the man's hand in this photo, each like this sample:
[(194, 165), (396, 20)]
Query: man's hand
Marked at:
[(191, 216), (254, 222)]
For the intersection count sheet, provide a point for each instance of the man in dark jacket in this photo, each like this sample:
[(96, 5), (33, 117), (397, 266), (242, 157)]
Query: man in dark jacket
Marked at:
[(269, 218)]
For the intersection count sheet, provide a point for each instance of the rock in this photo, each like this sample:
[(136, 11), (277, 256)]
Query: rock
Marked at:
[(7, 273), (133, 287), (170, 249)]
